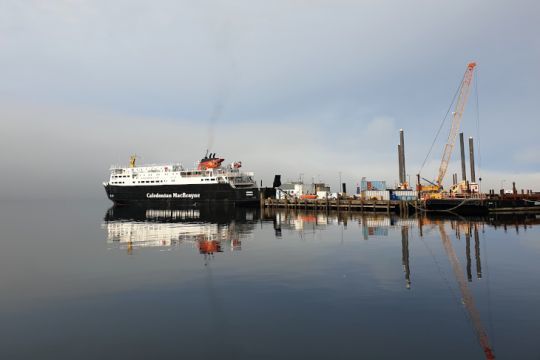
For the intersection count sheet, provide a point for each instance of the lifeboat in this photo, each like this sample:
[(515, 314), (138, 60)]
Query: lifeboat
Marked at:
[(308, 197), (210, 162)]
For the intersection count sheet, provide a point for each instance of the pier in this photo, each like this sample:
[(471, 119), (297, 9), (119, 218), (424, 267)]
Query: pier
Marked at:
[(343, 204), (466, 205)]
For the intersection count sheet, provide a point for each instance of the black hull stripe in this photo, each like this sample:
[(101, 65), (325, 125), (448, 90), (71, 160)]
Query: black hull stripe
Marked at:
[(182, 194)]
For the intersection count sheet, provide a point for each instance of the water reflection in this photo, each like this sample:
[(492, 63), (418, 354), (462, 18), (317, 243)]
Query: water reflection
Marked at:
[(405, 255), (217, 229), (210, 230)]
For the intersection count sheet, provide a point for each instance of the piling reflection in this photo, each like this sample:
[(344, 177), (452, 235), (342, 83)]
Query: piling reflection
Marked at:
[(477, 252), (468, 255), (405, 255)]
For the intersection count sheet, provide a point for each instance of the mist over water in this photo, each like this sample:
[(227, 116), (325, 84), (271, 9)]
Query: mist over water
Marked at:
[(90, 281)]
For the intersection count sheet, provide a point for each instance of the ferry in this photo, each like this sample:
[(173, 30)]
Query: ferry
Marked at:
[(172, 184)]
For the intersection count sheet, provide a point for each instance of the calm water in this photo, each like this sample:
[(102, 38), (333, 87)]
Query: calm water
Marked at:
[(80, 281)]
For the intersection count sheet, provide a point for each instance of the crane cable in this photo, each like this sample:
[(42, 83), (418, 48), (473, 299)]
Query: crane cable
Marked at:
[(442, 123)]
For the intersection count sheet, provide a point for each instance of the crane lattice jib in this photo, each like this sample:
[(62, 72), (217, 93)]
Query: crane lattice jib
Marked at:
[(456, 120)]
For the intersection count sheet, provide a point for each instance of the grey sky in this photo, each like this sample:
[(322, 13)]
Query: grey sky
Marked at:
[(311, 87)]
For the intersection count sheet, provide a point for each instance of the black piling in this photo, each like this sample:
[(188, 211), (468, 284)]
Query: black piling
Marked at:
[(400, 164), (471, 159), (402, 147), (462, 146)]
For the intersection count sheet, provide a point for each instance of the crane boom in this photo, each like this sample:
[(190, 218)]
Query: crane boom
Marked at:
[(456, 120)]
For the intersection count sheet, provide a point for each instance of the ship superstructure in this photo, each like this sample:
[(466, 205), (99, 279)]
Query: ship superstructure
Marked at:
[(172, 183)]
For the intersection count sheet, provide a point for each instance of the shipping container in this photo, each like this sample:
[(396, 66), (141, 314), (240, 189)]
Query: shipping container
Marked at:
[(404, 195), (376, 195), (366, 185)]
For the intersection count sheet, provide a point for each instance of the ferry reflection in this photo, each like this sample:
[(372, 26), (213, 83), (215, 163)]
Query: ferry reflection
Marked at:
[(211, 231)]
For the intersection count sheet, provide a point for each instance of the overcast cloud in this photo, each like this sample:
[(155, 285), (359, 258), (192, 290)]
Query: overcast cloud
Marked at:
[(290, 87)]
